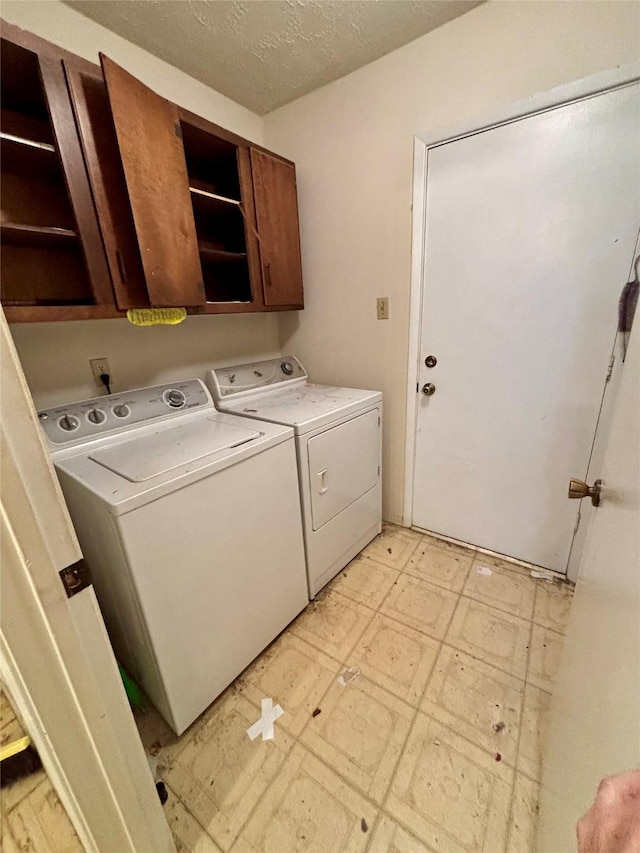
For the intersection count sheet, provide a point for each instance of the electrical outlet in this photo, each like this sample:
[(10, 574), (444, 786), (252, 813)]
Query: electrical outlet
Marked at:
[(382, 304), (98, 366)]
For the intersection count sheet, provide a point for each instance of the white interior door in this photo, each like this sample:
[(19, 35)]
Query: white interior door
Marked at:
[(530, 230), (595, 713), (54, 651)]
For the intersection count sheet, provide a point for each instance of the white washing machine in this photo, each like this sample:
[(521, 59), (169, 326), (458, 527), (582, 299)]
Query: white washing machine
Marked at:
[(190, 523), (338, 441)]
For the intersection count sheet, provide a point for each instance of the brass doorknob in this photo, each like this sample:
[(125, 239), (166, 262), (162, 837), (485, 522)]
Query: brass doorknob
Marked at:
[(579, 489), (429, 389)]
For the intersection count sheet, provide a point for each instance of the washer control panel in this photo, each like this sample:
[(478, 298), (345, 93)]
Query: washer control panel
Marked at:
[(226, 381), (65, 425)]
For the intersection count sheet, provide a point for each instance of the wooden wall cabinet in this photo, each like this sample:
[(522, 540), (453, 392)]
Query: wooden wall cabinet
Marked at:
[(164, 208), (53, 260)]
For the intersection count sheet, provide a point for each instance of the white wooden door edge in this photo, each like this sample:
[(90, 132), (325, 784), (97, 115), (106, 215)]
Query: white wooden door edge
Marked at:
[(593, 728), (13, 681), (64, 681), (603, 428), (420, 151), (560, 96)]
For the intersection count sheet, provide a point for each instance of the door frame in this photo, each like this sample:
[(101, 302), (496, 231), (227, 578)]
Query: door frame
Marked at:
[(55, 656), (568, 93)]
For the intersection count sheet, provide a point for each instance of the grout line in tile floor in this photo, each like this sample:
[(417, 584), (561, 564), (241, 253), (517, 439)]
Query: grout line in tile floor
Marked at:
[(517, 751), (379, 808), (298, 739), (460, 595), (417, 710), (415, 705), (519, 569), (172, 793), (512, 561), (443, 640), (395, 769)]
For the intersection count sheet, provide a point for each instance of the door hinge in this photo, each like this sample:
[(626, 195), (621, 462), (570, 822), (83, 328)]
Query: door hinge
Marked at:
[(378, 470), (612, 361), (378, 420), (75, 578), (417, 387)]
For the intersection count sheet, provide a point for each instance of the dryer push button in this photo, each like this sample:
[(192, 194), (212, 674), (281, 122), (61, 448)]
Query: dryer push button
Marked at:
[(174, 398)]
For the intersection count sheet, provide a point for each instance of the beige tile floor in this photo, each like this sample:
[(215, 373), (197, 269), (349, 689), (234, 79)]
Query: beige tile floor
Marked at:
[(435, 746), (32, 817)]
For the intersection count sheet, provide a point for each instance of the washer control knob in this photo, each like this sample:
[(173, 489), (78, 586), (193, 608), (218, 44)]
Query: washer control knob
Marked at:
[(121, 410), (96, 416), (68, 423), (174, 398), (287, 368)]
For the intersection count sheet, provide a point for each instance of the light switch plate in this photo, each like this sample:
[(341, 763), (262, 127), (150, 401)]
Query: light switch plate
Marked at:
[(382, 304)]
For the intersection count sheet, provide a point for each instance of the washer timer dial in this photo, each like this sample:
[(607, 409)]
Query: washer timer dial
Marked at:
[(96, 416), (68, 423), (121, 410), (287, 368)]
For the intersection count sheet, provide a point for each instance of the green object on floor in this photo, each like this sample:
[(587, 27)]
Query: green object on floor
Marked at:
[(134, 694)]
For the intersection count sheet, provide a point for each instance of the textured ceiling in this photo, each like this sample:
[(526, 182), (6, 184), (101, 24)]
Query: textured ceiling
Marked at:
[(265, 53)]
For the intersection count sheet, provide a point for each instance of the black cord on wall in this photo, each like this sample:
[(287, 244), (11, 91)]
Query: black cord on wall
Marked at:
[(104, 378)]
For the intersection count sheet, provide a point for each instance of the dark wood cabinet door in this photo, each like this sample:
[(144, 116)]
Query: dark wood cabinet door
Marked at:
[(276, 203), (149, 138), (250, 229), (102, 156), (70, 153), (53, 260)]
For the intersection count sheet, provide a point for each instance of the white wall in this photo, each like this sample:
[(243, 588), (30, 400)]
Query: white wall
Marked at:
[(55, 355), (352, 142)]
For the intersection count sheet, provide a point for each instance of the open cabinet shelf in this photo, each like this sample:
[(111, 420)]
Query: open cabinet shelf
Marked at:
[(202, 193), (44, 260), (211, 253), (215, 191), (19, 234), (29, 158), (8, 139), (113, 197)]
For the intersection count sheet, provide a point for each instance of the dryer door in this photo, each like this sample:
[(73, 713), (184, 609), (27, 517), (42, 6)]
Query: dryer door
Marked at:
[(343, 465)]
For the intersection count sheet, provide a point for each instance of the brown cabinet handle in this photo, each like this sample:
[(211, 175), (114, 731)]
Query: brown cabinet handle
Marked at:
[(267, 274), (121, 266)]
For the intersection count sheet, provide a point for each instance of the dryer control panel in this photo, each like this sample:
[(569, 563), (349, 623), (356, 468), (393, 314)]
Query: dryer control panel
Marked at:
[(76, 422), (231, 381)]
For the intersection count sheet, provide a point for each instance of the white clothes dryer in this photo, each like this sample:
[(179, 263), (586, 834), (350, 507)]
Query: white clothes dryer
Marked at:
[(190, 523), (338, 435)]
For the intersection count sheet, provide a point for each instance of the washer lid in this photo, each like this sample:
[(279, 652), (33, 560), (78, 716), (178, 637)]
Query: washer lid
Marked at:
[(151, 455)]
